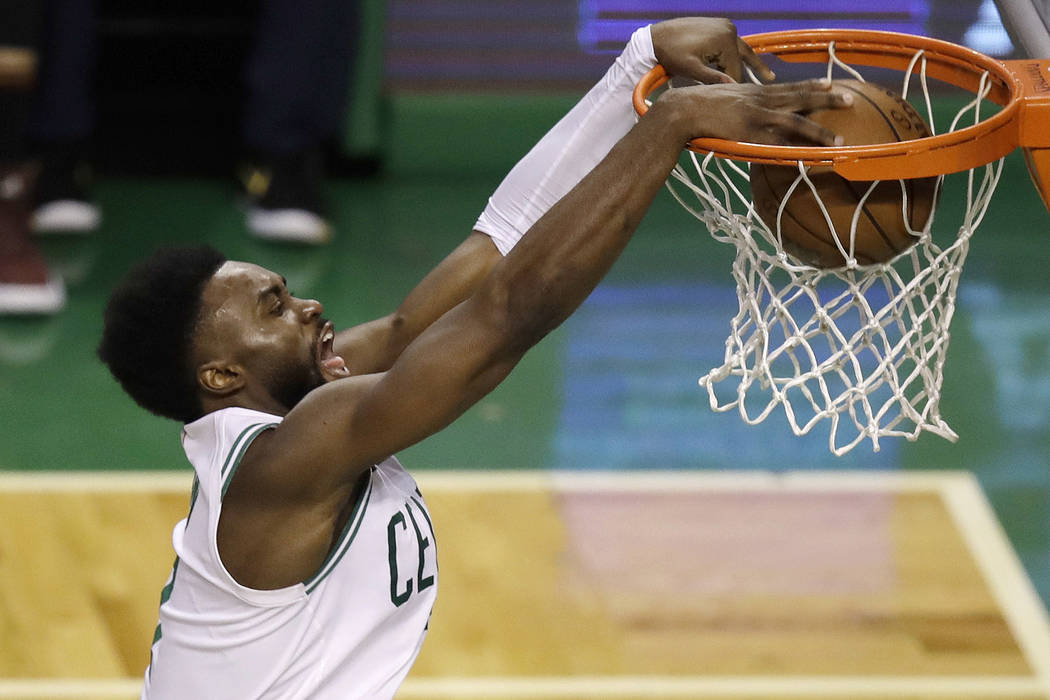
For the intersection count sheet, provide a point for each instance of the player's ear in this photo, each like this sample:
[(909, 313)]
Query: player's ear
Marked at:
[(220, 378)]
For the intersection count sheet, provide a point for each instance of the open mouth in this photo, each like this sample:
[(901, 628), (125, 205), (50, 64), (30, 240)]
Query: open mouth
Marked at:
[(332, 366)]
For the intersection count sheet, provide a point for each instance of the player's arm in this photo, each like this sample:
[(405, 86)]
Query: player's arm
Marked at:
[(342, 427), (705, 49), (374, 346)]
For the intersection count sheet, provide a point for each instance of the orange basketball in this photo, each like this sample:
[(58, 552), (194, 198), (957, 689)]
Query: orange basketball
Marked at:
[(877, 115)]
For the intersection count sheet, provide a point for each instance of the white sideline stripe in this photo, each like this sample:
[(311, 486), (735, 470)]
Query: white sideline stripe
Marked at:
[(819, 481), (97, 482), (1006, 577), (609, 687), (741, 686), (79, 688)]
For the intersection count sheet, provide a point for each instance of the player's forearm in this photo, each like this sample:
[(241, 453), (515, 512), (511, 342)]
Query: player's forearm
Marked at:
[(565, 254), (374, 346), (570, 150), (561, 159)]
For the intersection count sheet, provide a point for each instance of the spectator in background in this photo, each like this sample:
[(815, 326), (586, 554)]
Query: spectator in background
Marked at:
[(26, 284), (64, 118), (297, 80)]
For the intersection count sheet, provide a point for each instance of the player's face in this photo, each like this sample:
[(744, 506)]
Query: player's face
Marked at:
[(281, 342)]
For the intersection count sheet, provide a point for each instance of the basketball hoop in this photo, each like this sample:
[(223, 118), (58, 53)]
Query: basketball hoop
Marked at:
[(861, 347)]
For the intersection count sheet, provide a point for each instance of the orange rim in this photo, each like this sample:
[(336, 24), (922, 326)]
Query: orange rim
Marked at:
[(1022, 87)]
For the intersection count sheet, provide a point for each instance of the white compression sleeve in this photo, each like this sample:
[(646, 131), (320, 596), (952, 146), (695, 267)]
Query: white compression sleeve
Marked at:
[(570, 150)]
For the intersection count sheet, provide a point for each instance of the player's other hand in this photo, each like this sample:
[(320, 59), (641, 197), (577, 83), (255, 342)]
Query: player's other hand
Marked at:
[(770, 114), (706, 49)]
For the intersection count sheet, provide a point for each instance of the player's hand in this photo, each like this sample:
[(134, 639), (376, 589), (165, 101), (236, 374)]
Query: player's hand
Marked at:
[(770, 114), (705, 49)]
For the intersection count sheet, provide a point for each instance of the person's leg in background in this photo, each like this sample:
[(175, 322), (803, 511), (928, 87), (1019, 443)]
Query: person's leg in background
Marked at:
[(26, 284), (297, 82), (64, 118)]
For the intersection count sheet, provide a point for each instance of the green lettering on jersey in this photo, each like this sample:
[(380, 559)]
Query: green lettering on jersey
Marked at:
[(423, 543), (396, 598)]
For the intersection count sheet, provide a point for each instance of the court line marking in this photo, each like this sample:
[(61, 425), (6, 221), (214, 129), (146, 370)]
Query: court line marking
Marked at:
[(729, 686), (96, 481), (610, 687), (450, 480), (960, 491), (1004, 573)]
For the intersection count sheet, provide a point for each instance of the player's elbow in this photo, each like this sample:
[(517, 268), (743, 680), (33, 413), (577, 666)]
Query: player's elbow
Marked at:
[(528, 310)]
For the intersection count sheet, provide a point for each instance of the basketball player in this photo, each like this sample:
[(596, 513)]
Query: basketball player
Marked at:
[(306, 567)]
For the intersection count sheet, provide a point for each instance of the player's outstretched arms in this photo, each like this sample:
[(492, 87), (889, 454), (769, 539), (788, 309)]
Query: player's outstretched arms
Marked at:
[(693, 47), (374, 346), (342, 427)]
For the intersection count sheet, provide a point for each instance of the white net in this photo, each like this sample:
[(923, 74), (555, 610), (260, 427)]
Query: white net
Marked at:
[(860, 349)]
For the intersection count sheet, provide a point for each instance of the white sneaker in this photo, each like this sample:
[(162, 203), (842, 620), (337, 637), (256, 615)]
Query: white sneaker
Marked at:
[(25, 299), (66, 216), (26, 284), (285, 199), (291, 225)]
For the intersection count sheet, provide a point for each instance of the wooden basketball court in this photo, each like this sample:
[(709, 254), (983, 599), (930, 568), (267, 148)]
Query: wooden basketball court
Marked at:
[(588, 585)]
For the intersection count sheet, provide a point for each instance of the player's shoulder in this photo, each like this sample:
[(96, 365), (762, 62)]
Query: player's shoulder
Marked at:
[(226, 421), (221, 433)]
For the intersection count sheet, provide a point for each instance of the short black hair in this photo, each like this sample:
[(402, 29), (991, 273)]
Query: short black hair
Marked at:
[(148, 329)]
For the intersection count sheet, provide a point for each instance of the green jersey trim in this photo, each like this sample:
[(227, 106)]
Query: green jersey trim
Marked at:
[(193, 494), (346, 538), (240, 447), (423, 510)]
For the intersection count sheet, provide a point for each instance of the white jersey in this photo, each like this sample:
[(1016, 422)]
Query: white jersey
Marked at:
[(352, 630)]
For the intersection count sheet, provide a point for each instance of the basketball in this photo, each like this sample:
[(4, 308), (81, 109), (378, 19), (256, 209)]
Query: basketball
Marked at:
[(877, 115)]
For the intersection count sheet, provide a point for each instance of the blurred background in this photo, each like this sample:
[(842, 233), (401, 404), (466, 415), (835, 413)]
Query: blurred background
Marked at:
[(170, 79)]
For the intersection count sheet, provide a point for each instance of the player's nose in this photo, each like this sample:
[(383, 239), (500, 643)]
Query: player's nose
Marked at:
[(311, 309)]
